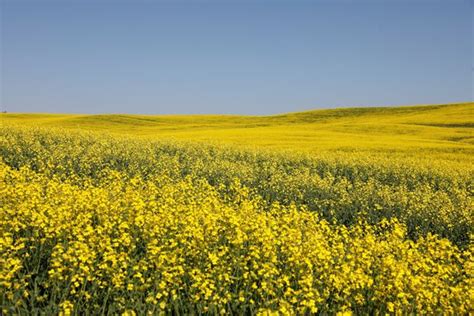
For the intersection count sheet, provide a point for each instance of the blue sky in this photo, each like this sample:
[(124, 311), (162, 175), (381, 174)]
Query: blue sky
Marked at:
[(241, 57)]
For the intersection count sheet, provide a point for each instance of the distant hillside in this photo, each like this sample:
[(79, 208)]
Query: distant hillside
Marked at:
[(435, 127)]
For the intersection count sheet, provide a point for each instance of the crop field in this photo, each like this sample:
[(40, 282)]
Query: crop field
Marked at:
[(344, 211)]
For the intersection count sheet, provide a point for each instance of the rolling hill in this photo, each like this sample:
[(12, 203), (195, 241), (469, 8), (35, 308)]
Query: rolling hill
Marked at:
[(436, 127)]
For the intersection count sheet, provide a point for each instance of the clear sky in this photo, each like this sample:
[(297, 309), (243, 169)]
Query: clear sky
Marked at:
[(241, 57)]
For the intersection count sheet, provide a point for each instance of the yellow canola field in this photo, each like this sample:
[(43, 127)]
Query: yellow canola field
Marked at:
[(437, 128), (95, 222)]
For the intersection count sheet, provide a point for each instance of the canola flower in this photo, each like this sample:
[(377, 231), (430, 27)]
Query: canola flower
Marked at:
[(92, 224)]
